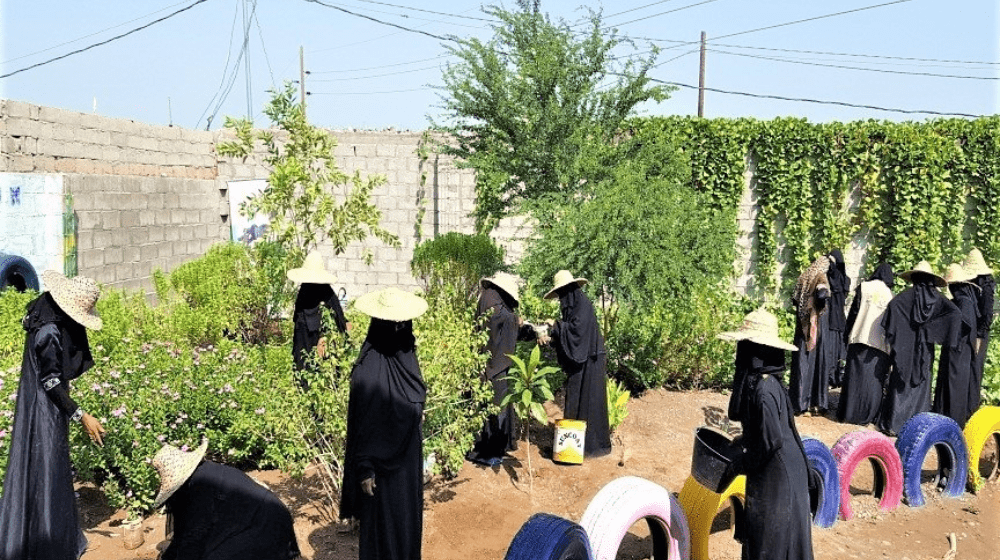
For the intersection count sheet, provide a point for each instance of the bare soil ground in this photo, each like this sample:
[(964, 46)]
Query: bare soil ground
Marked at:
[(476, 514)]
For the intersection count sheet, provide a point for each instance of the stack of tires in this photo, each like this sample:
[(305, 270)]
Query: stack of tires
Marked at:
[(17, 273)]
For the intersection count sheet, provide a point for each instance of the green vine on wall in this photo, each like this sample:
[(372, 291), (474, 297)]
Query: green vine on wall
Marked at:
[(423, 154)]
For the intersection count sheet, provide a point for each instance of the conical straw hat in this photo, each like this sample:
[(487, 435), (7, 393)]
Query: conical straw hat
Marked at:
[(759, 326), (976, 264), (924, 267), (76, 296), (564, 278), (391, 304), (175, 467), (312, 271), (956, 274), (504, 281)]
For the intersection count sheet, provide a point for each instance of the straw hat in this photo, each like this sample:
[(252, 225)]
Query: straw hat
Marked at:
[(505, 281), (761, 327), (975, 264), (312, 271), (956, 274), (76, 296), (564, 278), (175, 467), (391, 304), (924, 267)]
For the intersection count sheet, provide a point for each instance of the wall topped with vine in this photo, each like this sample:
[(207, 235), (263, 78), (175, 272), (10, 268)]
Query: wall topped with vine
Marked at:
[(903, 191)]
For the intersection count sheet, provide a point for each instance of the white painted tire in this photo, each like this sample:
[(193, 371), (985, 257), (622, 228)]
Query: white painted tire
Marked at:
[(623, 502)]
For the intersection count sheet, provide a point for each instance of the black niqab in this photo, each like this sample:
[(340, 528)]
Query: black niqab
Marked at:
[(579, 334), (77, 358), (839, 286), (884, 273), (498, 308), (752, 361)]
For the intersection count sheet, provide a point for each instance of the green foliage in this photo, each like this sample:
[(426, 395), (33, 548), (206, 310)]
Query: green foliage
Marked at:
[(991, 372), (529, 387), (455, 262), (535, 109), (308, 198), (618, 397)]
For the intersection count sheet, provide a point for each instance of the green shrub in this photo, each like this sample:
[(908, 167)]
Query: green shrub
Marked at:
[(991, 372), (457, 260), (618, 397)]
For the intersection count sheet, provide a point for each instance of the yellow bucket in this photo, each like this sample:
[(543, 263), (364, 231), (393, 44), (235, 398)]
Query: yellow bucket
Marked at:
[(568, 445)]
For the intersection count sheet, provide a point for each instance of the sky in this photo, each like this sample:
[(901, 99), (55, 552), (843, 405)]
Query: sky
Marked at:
[(192, 69)]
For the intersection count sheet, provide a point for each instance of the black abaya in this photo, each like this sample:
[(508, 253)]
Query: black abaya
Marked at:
[(385, 441), (832, 339), (38, 518), (778, 522), (220, 513), (868, 362), (308, 318), (499, 434), (956, 393), (987, 291), (580, 351), (916, 320), (808, 384)]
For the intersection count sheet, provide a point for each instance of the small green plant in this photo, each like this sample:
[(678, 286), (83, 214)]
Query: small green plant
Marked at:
[(456, 259), (529, 390), (618, 397)]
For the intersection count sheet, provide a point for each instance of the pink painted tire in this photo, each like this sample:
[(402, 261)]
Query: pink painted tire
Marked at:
[(623, 502), (854, 447)]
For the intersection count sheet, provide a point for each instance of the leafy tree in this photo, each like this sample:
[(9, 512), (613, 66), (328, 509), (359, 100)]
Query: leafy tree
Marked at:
[(309, 199), (529, 390), (536, 109)]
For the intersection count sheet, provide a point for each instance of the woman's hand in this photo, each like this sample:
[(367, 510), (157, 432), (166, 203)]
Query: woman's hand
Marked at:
[(94, 428), (368, 486), (321, 348)]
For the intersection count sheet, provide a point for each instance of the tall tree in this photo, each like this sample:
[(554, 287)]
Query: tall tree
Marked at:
[(536, 109)]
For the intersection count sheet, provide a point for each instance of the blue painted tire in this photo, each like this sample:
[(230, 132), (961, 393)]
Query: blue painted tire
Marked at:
[(825, 501), (921, 434), (549, 537), (16, 272)]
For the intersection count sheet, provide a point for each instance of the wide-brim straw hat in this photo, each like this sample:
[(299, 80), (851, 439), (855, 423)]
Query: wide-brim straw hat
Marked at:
[(175, 467), (312, 271), (975, 264), (391, 304), (505, 282), (957, 274), (76, 296), (924, 267), (759, 326), (564, 278)]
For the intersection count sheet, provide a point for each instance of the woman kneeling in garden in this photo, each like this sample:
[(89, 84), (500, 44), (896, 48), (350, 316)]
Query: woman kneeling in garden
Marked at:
[(383, 459), (38, 517), (218, 512)]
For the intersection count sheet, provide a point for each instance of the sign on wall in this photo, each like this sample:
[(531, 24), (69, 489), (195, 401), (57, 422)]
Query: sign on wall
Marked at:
[(31, 219), (245, 229)]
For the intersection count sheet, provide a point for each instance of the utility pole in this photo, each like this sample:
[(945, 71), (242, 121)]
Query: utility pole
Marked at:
[(701, 79), (302, 79)]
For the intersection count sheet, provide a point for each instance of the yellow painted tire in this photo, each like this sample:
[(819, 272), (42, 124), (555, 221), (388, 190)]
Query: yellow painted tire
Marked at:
[(700, 506), (978, 430)]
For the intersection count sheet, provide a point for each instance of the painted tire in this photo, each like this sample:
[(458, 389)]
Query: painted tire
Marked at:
[(548, 537), (983, 425), (854, 447), (921, 434), (624, 501), (17, 272), (826, 501), (700, 506)]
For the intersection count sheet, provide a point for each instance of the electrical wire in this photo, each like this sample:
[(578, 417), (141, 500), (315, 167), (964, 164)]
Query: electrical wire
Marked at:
[(376, 20), (263, 47), (428, 11), (637, 8), (857, 55), (365, 92), (843, 67), (377, 75), (101, 43), (787, 23), (440, 56), (666, 12), (225, 69)]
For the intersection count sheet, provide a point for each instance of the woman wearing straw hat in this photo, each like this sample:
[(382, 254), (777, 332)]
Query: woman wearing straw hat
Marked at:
[(975, 264), (315, 292), (383, 459), (218, 512), (956, 394), (498, 303), (38, 517), (808, 383), (916, 319), (580, 350), (778, 522)]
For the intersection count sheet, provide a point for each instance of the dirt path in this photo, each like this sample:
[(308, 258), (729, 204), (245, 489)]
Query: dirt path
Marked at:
[(476, 514)]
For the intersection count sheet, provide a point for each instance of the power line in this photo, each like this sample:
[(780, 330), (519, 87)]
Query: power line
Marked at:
[(820, 101), (263, 47), (858, 55), (787, 23), (843, 67), (364, 92), (637, 8), (666, 12), (225, 69), (427, 11), (376, 20), (377, 75), (53, 47), (105, 42), (440, 56)]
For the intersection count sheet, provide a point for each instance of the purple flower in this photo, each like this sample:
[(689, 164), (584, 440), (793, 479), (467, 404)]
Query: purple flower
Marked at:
[(117, 413)]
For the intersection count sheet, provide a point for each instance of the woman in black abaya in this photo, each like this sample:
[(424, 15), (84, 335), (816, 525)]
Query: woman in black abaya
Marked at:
[(808, 385), (38, 518), (383, 460), (916, 320), (868, 359), (777, 524), (315, 292), (498, 303), (956, 394), (580, 350), (975, 264), (833, 341)]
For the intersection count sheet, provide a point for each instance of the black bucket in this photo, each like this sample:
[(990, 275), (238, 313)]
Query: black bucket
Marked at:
[(712, 460)]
